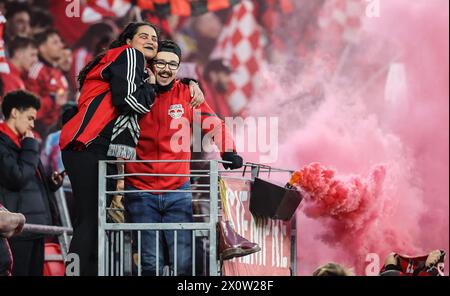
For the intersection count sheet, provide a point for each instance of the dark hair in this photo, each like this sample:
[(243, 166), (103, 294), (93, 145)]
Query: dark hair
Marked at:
[(94, 31), (169, 46), (20, 43), (217, 65), (13, 8), (42, 37), (21, 100), (127, 33), (41, 18)]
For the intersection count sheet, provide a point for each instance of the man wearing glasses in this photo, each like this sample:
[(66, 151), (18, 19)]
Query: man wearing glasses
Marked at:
[(166, 135)]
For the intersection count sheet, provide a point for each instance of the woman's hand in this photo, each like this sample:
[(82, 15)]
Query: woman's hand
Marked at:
[(152, 78), (196, 94)]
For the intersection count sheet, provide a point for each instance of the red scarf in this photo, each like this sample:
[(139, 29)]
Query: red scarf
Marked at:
[(4, 128)]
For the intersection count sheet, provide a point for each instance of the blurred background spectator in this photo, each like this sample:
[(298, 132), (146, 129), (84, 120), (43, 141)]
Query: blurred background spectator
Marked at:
[(23, 55), (332, 269), (47, 80), (18, 16), (431, 264)]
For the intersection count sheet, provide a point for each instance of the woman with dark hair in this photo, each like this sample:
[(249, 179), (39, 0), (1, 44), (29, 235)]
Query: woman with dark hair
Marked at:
[(115, 88)]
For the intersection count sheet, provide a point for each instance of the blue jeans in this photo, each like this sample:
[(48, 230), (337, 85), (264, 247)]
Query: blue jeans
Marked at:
[(172, 207)]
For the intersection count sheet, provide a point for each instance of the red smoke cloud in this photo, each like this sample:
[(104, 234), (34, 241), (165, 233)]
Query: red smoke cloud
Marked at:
[(358, 123)]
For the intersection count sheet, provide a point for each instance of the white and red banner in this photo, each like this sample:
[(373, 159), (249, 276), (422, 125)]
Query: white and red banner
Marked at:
[(4, 67), (272, 236), (241, 43)]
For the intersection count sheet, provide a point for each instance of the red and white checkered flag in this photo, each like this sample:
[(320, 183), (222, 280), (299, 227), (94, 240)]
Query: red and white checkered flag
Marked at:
[(4, 67), (241, 44), (341, 18)]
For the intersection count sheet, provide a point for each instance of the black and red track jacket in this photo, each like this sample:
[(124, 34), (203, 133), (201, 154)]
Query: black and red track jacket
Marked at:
[(415, 266), (116, 85), (166, 135)]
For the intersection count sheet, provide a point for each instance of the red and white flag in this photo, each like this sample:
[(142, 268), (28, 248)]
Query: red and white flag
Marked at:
[(342, 19), (4, 67), (96, 10), (241, 43)]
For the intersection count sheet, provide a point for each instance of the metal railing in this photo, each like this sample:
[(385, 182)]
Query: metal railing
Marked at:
[(116, 240), (64, 234)]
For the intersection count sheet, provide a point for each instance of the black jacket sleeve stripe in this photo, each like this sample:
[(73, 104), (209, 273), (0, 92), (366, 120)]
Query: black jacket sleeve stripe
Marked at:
[(131, 77)]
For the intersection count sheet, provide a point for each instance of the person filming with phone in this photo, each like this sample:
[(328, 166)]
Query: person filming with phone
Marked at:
[(24, 186)]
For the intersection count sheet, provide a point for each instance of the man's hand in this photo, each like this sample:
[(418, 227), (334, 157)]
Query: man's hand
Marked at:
[(61, 97), (151, 77), (57, 179), (196, 94), (11, 223), (236, 160), (29, 134)]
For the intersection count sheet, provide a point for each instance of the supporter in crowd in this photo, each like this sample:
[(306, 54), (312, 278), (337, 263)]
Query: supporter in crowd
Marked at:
[(65, 60), (217, 76), (431, 264), (41, 21), (114, 85), (24, 186), (332, 269), (173, 116), (65, 63), (23, 54), (206, 29), (47, 81), (18, 18)]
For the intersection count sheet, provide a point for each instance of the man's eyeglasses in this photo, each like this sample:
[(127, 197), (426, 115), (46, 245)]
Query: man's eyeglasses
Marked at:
[(160, 64)]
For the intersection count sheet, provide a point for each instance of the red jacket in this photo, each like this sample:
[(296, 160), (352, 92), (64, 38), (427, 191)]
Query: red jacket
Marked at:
[(115, 85), (12, 80), (172, 108)]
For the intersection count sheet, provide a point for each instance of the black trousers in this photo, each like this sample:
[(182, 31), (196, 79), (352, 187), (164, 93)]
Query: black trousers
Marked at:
[(28, 256), (82, 169)]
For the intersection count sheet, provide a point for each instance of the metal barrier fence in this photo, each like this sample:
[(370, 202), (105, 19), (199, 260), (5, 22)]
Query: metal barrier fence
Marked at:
[(119, 244), (64, 234)]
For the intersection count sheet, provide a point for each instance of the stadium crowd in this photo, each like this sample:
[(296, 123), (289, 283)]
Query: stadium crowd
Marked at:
[(43, 54)]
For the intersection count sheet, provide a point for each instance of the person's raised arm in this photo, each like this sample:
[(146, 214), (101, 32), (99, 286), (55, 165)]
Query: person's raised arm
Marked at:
[(129, 82)]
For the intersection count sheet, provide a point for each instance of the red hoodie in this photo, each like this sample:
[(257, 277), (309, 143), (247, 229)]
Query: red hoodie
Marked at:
[(172, 108)]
